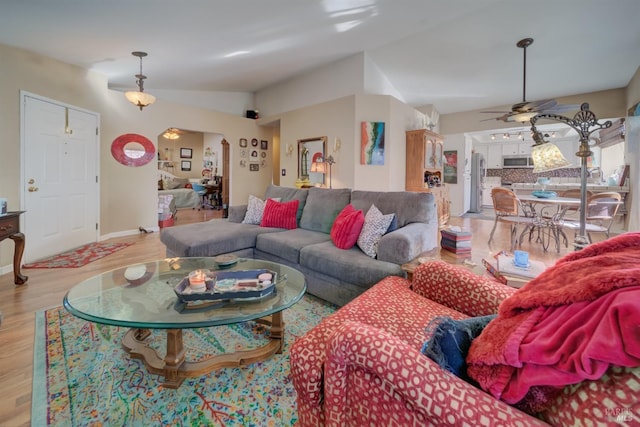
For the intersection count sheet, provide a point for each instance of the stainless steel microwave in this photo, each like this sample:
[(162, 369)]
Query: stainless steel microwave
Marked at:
[(511, 162)]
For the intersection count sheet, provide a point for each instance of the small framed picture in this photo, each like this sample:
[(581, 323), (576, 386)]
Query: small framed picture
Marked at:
[(243, 142), (254, 154), (254, 167), (185, 165), (263, 154), (243, 163), (254, 142), (264, 144), (186, 153)]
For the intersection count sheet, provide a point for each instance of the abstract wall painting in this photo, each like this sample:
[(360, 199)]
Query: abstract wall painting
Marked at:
[(372, 143)]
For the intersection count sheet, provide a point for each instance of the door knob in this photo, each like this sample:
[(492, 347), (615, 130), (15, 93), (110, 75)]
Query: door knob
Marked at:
[(31, 181), (32, 189)]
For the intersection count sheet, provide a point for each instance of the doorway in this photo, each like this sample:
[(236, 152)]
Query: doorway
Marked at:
[(59, 176)]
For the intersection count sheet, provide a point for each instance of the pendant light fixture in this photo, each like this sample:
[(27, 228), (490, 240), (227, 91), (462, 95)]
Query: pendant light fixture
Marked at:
[(140, 98)]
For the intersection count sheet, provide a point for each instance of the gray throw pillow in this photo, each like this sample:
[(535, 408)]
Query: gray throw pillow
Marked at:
[(255, 209)]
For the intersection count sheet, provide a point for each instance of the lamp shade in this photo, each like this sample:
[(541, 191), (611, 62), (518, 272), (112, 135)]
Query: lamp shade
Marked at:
[(547, 157), (140, 99), (318, 167)]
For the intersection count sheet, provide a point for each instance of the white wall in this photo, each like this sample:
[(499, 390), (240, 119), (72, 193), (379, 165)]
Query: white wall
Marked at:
[(333, 81), (456, 191), (235, 103)]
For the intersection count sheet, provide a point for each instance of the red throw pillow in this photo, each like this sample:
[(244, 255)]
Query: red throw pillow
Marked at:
[(280, 214), (346, 228)]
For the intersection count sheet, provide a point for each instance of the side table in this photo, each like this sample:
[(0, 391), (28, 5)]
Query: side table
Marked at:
[(10, 227), (439, 254)]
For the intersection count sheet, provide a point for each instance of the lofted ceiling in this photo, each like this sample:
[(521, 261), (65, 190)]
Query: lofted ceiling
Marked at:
[(457, 55)]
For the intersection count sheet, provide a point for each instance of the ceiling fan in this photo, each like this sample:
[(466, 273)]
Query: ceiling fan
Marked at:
[(524, 111)]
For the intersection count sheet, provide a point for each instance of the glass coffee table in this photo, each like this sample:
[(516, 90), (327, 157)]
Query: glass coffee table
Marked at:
[(142, 297)]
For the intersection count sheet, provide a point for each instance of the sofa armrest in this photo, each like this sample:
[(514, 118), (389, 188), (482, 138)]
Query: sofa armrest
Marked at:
[(458, 288), (406, 243), (366, 365), (237, 213)]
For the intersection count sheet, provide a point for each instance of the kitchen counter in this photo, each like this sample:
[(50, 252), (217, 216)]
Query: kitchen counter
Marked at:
[(567, 186)]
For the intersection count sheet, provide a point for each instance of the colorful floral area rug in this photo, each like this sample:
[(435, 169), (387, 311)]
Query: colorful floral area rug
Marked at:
[(79, 256), (83, 377)]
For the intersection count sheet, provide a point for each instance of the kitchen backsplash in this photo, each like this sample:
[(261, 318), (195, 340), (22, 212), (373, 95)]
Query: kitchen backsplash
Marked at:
[(527, 175)]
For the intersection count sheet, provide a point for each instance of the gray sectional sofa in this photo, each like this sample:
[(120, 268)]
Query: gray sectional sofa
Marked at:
[(333, 274)]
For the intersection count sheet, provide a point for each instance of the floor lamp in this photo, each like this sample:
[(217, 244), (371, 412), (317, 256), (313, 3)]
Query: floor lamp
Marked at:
[(546, 158), (319, 166)]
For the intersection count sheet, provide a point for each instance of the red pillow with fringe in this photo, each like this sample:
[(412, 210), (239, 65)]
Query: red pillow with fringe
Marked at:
[(280, 214), (347, 227)]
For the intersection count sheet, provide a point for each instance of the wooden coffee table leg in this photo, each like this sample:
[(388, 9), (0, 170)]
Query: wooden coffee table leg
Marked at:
[(277, 330), (170, 367), (174, 368), (174, 359)]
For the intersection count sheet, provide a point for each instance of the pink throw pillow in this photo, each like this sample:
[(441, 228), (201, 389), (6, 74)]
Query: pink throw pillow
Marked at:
[(280, 214), (346, 228)]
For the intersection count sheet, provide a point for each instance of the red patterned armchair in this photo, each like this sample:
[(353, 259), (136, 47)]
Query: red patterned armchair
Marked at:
[(364, 366)]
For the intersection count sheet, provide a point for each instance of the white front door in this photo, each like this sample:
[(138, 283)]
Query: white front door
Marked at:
[(60, 177)]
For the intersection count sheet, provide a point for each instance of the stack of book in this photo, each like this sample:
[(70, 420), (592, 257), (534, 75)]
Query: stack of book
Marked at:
[(505, 271), (458, 242)]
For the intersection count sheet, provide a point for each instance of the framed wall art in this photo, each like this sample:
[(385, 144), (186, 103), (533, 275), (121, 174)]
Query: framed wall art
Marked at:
[(254, 167), (451, 167), (372, 143), (186, 153), (264, 144), (243, 142), (185, 165)]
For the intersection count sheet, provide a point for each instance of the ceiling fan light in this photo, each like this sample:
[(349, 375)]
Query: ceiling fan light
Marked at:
[(523, 117), (547, 157)]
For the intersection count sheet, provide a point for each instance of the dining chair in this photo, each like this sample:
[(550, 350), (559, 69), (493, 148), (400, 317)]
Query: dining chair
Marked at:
[(572, 213), (508, 209), (201, 191), (601, 212)]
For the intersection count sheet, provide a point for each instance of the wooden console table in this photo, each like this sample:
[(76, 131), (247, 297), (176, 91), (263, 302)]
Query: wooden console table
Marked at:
[(10, 227)]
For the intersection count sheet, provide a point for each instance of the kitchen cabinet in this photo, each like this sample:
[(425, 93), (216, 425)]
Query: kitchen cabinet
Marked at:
[(516, 149), (494, 156), (424, 165)]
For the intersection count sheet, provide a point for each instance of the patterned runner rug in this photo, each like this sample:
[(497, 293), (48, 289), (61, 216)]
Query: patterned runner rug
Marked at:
[(82, 375), (79, 256)]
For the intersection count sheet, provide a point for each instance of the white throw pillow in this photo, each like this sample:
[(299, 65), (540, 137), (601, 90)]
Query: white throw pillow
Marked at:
[(255, 209), (375, 226)]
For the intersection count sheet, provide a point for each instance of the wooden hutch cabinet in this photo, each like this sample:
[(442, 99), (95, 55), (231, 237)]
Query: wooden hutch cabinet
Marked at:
[(424, 170)]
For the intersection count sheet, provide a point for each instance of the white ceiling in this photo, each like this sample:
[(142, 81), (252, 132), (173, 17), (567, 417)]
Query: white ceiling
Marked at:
[(458, 55)]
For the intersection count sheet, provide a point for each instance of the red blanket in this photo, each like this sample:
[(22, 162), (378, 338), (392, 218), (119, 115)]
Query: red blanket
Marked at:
[(569, 324)]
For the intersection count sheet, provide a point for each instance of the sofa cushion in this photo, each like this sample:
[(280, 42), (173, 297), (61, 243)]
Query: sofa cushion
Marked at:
[(285, 194), (347, 227), (408, 206), (280, 214), (192, 240), (322, 207), (287, 244), (350, 265), (375, 226), (449, 341)]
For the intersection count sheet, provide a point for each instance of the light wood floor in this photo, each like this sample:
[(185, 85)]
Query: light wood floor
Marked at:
[(47, 287)]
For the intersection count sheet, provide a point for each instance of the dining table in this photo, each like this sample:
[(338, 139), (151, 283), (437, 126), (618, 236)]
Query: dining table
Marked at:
[(548, 214)]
